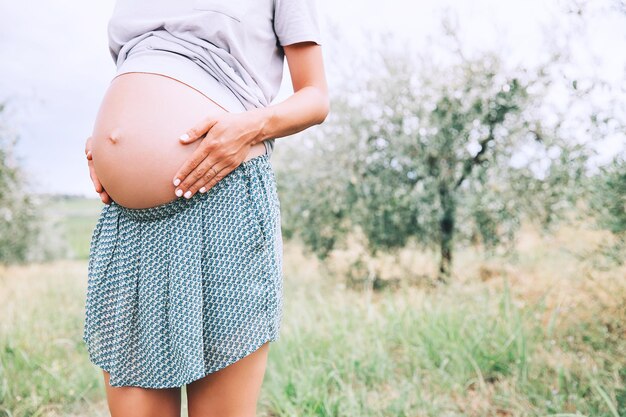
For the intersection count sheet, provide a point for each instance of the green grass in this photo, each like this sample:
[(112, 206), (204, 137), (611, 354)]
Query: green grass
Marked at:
[(540, 336), (77, 217), (42, 358)]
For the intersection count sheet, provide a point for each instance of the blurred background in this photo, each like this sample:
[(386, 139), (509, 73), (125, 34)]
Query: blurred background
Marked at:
[(454, 232)]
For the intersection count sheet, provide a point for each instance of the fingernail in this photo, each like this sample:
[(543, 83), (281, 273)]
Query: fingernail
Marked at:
[(188, 194), (184, 136), (179, 192), (176, 182), (202, 189)]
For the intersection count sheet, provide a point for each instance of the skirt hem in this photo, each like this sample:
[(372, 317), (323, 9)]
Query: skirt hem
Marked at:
[(185, 381)]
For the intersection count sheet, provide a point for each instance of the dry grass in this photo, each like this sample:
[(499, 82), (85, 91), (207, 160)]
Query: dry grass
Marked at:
[(540, 333)]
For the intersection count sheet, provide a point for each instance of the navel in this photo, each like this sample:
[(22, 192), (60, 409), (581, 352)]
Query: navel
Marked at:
[(115, 135)]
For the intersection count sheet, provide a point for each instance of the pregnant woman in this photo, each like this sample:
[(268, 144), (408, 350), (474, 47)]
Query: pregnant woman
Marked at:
[(185, 266)]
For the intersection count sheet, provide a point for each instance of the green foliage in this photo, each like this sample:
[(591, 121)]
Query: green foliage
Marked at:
[(432, 154), (317, 190), (17, 209), (438, 135), (608, 201), (26, 234)]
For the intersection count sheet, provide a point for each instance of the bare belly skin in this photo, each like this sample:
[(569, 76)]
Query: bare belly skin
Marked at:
[(135, 146)]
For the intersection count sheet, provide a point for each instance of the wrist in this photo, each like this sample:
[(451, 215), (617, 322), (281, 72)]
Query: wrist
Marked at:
[(262, 118)]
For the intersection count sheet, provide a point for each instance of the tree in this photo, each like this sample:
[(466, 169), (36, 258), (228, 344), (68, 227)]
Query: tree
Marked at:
[(431, 155), (431, 143), (18, 217), (608, 202)]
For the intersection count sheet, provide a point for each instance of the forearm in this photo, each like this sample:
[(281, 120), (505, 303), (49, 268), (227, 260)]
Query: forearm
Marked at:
[(306, 107)]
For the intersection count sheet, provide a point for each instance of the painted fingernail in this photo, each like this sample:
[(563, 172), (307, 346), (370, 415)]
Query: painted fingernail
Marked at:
[(188, 194), (176, 182), (202, 190), (184, 136), (179, 192)]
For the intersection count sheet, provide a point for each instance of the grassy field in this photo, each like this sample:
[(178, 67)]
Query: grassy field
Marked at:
[(77, 218), (538, 334)]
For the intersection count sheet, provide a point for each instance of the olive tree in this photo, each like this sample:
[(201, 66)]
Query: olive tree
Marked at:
[(607, 204), (432, 154), (28, 231), (18, 226)]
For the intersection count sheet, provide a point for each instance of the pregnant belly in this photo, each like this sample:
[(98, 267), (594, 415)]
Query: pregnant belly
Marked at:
[(135, 146)]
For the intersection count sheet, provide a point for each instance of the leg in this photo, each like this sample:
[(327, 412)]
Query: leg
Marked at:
[(232, 391), (142, 402)]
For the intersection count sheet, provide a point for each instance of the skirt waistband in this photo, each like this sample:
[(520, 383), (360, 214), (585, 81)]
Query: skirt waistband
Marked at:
[(179, 204)]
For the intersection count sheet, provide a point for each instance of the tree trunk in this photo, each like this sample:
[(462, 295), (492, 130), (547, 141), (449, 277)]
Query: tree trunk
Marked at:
[(446, 226)]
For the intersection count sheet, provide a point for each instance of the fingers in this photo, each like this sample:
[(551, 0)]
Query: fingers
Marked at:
[(92, 173), (203, 128), (205, 170), (196, 158), (88, 144), (106, 199), (181, 179), (214, 176), (96, 182), (104, 196), (198, 131)]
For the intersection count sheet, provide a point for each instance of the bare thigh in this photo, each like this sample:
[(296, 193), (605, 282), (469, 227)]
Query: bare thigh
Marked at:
[(142, 402), (232, 391)]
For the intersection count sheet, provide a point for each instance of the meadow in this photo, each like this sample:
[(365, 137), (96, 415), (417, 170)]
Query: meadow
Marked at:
[(540, 332)]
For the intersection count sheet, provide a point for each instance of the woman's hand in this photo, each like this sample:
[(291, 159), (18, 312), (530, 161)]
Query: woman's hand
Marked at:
[(229, 137), (106, 199)]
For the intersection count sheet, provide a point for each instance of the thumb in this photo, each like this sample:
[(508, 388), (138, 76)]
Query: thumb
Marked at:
[(197, 132)]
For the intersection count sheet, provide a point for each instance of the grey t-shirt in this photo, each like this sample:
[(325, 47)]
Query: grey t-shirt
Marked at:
[(231, 51)]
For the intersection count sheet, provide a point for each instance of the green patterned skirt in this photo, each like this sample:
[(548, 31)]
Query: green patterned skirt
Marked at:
[(183, 289)]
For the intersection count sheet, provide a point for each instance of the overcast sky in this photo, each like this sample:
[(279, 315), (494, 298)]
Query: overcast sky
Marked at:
[(56, 64)]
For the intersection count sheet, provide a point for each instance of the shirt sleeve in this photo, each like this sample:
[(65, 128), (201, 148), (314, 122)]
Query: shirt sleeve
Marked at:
[(296, 21)]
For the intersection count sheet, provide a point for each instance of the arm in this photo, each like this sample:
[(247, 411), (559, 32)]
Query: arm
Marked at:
[(229, 137), (308, 106)]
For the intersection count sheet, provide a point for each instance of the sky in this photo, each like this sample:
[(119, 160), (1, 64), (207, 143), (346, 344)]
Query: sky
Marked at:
[(58, 66)]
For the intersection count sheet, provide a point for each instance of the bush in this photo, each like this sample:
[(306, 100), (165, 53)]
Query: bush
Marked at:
[(22, 222)]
